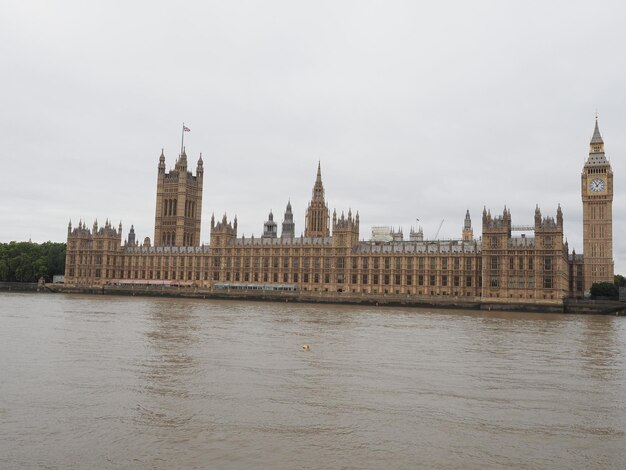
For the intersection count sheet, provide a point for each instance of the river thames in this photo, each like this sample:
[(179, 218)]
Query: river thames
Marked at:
[(128, 382)]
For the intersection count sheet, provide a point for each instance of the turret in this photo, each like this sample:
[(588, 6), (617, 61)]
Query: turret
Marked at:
[(537, 216), (269, 227), (200, 167), (397, 236), (162, 162), (416, 236), (345, 230), (468, 233), (289, 227), (224, 232), (496, 229), (181, 163), (131, 236)]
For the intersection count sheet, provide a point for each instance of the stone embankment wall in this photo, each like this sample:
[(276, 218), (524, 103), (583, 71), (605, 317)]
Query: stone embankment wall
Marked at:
[(604, 307), (569, 306), (18, 286), (275, 296)]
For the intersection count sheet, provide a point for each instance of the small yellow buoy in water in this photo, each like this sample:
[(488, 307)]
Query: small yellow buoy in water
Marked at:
[(306, 347)]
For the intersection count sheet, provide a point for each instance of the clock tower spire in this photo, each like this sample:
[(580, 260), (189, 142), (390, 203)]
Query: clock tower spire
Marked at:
[(597, 197)]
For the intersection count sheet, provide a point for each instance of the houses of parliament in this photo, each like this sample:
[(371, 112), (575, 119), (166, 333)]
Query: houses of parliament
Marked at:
[(507, 263)]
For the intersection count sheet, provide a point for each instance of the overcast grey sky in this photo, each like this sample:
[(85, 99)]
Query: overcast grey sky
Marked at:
[(415, 109)]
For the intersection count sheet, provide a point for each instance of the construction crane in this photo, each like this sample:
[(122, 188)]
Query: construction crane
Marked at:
[(438, 229)]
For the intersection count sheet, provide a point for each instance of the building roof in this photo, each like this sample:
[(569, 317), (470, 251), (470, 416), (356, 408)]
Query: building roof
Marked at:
[(596, 138)]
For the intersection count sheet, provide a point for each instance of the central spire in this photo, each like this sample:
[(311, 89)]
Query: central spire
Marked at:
[(318, 187), (181, 163)]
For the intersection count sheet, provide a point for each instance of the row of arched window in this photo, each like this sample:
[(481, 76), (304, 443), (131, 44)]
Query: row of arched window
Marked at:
[(169, 208), (169, 239), (190, 209)]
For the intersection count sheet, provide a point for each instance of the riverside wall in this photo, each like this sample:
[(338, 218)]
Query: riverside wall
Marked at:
[(19, 286), (590, 307)]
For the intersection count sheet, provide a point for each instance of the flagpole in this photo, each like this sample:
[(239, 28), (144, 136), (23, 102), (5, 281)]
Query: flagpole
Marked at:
[(182, 139)]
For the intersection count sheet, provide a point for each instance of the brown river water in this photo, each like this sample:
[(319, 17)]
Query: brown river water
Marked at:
[(128, 382)]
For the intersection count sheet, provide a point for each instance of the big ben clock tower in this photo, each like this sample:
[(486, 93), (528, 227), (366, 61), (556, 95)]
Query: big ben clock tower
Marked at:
[(597, 195)]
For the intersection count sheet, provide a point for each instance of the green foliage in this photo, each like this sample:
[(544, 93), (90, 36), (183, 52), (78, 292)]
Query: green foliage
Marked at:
[(604, 289), (27, 262), (619, 280)]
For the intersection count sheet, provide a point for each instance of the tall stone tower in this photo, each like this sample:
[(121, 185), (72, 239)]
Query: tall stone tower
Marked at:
[(496, 235), (317, 217), (178, 204), (597, 196)]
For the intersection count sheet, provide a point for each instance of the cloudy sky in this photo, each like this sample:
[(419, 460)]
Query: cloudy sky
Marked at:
[(415, 109)]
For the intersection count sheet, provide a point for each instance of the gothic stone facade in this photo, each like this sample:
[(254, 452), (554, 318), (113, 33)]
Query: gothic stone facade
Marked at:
[(501, 266)]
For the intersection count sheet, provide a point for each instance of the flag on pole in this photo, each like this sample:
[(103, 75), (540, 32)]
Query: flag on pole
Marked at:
[(186, 129)]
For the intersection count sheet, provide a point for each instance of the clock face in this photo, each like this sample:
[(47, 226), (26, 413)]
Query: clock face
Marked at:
[(597, 185)]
